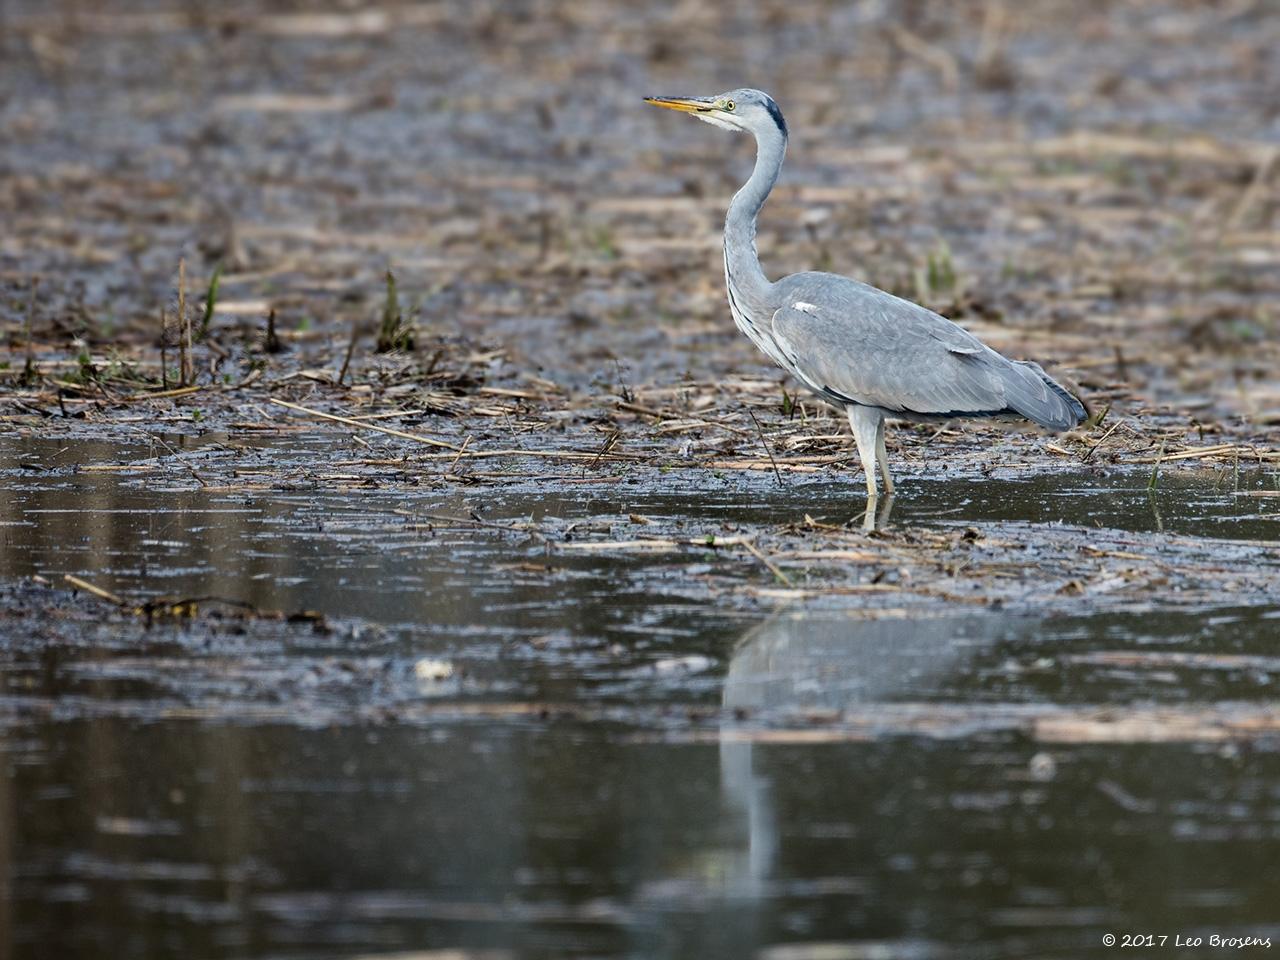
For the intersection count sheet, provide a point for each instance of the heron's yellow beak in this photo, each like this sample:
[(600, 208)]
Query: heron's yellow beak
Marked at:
[(683, 104)]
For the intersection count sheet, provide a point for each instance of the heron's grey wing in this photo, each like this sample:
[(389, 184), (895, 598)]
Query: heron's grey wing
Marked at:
[(872, 348), (876, 354)]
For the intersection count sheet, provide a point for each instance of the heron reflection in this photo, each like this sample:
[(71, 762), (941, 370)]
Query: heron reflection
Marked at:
[(798, 664)]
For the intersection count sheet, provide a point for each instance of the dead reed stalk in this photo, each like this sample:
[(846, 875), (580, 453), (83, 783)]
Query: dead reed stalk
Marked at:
[(186, 361)]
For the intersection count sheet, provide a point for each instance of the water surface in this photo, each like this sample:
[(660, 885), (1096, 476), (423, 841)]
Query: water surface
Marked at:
[(496, 745)]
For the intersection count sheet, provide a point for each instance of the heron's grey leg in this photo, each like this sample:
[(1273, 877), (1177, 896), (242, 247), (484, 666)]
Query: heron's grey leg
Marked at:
[(884, 458), (882, 521), (865, 422)]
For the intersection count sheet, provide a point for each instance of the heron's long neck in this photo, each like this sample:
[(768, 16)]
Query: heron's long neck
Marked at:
[(742, 264)]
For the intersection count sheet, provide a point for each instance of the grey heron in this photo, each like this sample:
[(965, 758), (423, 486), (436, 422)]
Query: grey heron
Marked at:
[(862, 349)]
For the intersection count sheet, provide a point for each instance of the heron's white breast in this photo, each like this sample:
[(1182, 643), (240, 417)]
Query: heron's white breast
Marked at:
[(761, 334)]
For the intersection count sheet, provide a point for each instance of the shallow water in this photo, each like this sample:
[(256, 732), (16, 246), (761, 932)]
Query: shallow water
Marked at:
[(618, 760), (392, 556)]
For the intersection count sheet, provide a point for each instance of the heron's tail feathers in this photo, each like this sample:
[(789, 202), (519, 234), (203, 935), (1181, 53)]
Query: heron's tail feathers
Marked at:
[(1040, 398)]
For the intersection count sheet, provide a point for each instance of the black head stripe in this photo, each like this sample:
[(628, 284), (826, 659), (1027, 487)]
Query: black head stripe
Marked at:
[(776, 114)]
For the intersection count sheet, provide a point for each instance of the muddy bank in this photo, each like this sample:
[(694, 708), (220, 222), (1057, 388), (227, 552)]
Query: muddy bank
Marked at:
[(547, 233)]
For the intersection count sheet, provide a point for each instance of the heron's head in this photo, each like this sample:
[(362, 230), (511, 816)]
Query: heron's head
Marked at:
[(745, 109)]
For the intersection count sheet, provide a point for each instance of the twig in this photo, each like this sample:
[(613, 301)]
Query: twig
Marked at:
[(184, 326), (417, 438), (351, 346), (1162, 457), (609, 444), (461, 450), (431, 364), (188, 605), (271, 342), (661, 415), (475, 522), (160, 394), (936, 57), (764, 443), (1255, 188), (29, 368), (391, 414), (164, 349), (1101, 440), (98, 592), (755, 552), (935, 435), (160, 440), (654, 544)]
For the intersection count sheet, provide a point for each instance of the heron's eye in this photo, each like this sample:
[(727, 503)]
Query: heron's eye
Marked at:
[(728, 105)]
